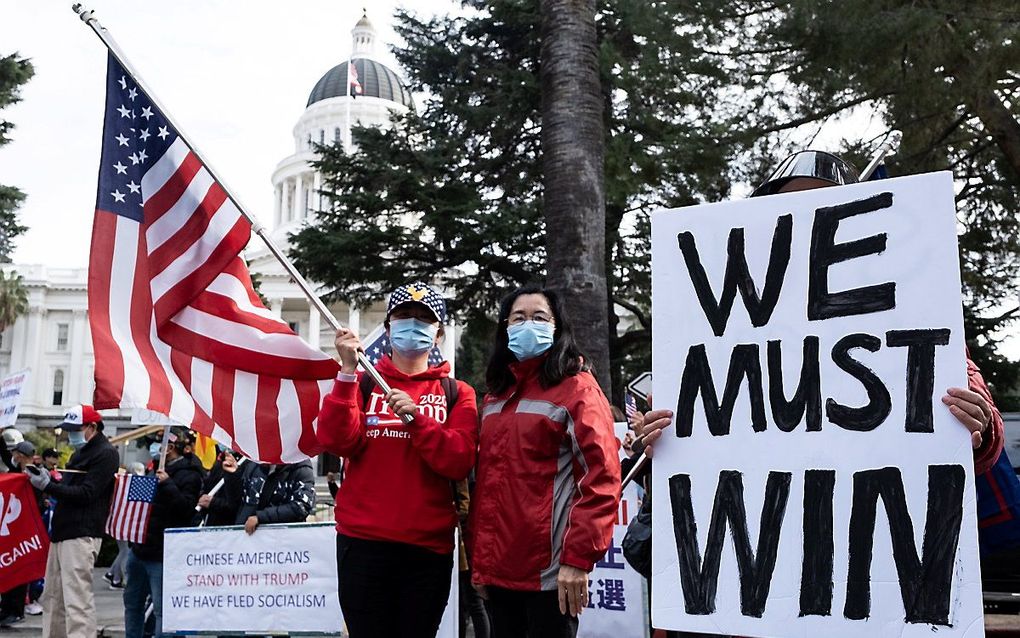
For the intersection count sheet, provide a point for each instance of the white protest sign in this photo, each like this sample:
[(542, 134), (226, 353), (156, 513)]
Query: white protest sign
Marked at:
[(281, 578), (11, 389), (813, 483), (616, 605)]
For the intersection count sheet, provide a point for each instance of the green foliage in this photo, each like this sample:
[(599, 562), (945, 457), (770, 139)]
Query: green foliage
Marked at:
[(13, 298), (699, 95), (453, 193), (943, 72), (45, 439), (14, 72)]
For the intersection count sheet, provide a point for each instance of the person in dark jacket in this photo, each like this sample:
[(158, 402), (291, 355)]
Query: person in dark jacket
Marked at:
[(79, 518), (180, 483), (220, 508), (273, 493)]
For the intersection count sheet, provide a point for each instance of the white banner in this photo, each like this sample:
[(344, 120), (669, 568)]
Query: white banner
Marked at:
[(281, 578), (616, 600), (11, 389), (813, 483)]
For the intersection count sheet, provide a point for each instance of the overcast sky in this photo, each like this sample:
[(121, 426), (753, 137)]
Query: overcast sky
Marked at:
[(235, 75)]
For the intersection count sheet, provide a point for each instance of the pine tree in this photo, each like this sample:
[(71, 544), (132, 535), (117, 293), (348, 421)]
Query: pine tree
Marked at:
[(14, 72), (943, 72), (467, 167)]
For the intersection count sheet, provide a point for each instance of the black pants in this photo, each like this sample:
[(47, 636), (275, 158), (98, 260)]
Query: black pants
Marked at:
[(391, 590), (12, 603), (472, 608), (528, 614)]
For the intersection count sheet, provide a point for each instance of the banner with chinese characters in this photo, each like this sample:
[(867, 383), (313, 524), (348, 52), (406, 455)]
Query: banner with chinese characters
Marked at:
[(616, 601)]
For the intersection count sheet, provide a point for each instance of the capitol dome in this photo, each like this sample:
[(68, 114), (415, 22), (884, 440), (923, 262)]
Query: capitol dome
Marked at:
[(377, 80)]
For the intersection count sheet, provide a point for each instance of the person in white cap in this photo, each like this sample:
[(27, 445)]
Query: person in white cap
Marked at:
[(83, 502)]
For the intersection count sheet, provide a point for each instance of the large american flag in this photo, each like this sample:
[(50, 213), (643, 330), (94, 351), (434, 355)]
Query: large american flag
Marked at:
[(176, 325), (132, 504)]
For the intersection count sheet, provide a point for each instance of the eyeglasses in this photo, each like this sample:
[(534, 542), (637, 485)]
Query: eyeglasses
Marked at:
[(538, 317)]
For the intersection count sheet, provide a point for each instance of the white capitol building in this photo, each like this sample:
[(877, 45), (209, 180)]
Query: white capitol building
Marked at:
[(52, 340)]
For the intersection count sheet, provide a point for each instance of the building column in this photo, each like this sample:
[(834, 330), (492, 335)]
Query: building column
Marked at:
[(299, 197), (33, 359), (314, 327), (354, 320), (19, 344), (284, 201), (74, 372), (276, 307), (316, 187), (277, 204), (449, 345)]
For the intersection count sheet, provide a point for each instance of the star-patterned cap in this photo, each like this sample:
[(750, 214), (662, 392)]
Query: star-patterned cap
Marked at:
[(418, 292)]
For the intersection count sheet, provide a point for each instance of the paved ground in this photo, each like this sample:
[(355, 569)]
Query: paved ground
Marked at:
[(109, 608)]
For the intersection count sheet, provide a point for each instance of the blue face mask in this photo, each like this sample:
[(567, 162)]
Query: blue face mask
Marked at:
[(154, 449), (529, 339), (76, 439), (411, 337)]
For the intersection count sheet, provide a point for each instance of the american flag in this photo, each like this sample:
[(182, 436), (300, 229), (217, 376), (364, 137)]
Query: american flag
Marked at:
[(629, 406), (377, 345), (352, 75), (176, 326), (132, 504)]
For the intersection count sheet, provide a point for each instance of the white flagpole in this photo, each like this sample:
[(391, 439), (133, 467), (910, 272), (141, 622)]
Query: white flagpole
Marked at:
[(89, 18), (348, 141)]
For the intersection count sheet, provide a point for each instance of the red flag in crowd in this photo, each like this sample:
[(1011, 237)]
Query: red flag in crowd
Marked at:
[(176, 324), (24, 542)]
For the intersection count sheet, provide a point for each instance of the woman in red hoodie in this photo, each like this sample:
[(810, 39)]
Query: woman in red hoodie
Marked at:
[(395, 512), (548, 473)]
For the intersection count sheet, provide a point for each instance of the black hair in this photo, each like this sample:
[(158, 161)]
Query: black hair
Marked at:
[(564, 359), (50, 453), (99, 425)]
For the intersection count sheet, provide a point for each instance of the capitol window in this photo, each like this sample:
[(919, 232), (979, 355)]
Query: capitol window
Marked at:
[(336, 135), (58, 387), (62, 332)]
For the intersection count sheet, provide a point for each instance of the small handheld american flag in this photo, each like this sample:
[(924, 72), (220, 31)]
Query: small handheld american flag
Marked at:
[(630, 406), (132, 505)]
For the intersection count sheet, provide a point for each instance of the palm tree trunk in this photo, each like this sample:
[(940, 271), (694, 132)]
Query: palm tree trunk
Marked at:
[(573, 150)]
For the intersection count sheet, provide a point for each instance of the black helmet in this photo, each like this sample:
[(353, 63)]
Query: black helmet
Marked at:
[(816, 164)]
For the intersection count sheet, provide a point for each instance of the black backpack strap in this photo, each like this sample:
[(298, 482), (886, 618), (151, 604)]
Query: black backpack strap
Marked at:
[(450, 390), (365, 385)]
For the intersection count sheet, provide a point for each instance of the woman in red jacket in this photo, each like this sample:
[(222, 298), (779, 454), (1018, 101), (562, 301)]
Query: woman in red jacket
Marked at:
[(548, 473), (395, 512)]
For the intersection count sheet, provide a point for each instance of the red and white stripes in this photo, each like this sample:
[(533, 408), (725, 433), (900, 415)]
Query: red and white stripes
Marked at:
[(178, 328)]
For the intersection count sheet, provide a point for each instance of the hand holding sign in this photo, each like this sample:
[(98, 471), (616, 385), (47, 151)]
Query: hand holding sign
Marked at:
[(971, 409), (649, 426)]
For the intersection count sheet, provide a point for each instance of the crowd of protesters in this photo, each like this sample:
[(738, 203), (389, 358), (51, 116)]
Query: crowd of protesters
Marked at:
[(530, 475)]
